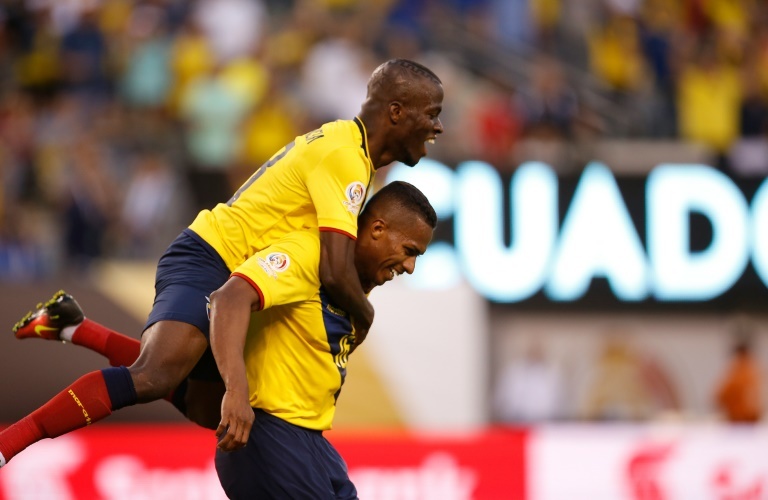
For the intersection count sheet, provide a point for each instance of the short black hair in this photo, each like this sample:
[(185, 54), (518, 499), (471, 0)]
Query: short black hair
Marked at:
[(406, 196), (417, 68), (395, 75)]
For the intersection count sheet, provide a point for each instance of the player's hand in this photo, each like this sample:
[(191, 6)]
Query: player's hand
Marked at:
[(236, 421)]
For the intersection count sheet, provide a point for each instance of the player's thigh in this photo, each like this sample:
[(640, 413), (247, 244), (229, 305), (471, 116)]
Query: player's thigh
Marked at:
[(336, 469), (169, 351)]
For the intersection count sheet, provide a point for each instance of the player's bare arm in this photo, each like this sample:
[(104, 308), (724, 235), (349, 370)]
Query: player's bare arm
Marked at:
[(340, 279), (231, 307)]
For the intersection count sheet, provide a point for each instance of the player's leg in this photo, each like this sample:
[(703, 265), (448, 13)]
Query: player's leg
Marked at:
[(62, 318), (169, 352), (161, 369), (173, 342)]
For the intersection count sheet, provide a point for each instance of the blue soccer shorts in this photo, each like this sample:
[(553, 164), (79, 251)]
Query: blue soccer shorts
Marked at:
[(187, 273), (281, 461)]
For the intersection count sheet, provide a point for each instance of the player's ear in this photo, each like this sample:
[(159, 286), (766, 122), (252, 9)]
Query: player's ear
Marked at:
[(378, 228), (395, 111)]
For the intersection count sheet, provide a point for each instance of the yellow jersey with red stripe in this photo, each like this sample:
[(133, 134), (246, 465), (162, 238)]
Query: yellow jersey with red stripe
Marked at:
[(320, 180), (297, 347)]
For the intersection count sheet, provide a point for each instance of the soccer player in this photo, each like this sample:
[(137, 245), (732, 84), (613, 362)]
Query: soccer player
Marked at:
[(284, 375), (318, 181)]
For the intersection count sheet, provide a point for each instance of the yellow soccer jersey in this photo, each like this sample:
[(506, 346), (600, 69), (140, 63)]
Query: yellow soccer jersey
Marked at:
[(297, 347), (320, 180)]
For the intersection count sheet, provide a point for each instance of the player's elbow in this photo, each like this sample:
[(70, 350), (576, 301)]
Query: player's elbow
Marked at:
[(235, 293), (217, 297)]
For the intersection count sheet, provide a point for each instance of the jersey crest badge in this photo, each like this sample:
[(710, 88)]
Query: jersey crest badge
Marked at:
[(274, 263), (355, 193)]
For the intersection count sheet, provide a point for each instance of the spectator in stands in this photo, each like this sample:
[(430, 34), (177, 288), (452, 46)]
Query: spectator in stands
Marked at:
[(495, 126), (529, 389), (738, 396), (615, 54), (90, 202), (335, 71), (549, 104), (151, 205), (748, 156), (146, 80), (657, 39), (213, 112), (708, 99), (84, 58)]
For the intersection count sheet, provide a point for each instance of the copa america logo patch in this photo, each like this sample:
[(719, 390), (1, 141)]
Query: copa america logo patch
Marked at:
[(274, 263), (355, 193)]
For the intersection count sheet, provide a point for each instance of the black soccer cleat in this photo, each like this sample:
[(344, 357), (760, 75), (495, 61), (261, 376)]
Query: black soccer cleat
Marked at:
[(50, 318)]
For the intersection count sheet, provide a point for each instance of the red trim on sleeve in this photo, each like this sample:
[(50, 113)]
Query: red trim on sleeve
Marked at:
[(340, 231), (255, 287)]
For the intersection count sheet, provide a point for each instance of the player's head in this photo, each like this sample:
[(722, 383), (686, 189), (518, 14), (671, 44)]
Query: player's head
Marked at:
[(394, 228), (402, 111)]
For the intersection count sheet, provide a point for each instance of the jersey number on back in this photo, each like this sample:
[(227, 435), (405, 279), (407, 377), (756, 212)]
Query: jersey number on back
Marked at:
[(258, 173)]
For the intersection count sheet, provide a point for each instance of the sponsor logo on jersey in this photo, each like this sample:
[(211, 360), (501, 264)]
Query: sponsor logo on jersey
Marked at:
[(274, 263), (355, 193), (336, 311), (314, 135)]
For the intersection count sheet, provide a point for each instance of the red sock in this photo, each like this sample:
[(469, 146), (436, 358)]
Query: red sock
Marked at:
[(84, 402), (119, 349)]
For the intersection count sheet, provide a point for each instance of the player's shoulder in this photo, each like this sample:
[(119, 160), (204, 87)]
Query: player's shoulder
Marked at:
[(338, 126), (336, 134)]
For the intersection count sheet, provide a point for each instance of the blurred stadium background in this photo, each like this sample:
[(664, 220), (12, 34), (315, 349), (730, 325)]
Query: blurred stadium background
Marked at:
[(602, 245)]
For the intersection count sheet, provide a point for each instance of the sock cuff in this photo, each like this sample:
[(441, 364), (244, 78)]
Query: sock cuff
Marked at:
[(120, 387), (68, 331)]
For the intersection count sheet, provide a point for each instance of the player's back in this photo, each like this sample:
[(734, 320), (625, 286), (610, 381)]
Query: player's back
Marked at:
[(319, 180)]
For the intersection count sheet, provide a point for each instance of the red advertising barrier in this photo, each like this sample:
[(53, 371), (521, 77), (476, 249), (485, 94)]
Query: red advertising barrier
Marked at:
[(120, 462), (116, 462), (485, 465)]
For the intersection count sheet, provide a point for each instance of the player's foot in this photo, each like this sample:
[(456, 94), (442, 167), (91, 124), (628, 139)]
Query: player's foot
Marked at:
[(50, 318)]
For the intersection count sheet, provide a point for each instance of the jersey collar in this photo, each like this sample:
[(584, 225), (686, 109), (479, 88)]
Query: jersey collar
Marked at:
[(364, 144)]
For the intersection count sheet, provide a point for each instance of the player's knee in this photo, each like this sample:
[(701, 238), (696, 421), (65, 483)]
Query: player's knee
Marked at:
[(152, 384)]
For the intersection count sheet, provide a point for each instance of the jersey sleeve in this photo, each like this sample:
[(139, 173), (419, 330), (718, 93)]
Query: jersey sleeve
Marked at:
[(285, 272), (338, 187)]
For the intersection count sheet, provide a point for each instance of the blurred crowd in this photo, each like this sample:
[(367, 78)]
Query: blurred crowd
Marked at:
[(119, 119)]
